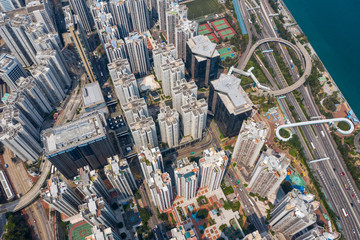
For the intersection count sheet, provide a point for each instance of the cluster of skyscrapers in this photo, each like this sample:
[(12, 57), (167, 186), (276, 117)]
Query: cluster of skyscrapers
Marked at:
[(90, 201), (189, 176)]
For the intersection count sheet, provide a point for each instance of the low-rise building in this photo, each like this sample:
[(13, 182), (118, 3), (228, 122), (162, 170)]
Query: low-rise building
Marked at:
[(93, 98)]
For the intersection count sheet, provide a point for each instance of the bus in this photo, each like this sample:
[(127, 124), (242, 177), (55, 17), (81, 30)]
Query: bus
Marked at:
[(237, 180), (251, 202), (345, 213), (322, 133), (312, 145)]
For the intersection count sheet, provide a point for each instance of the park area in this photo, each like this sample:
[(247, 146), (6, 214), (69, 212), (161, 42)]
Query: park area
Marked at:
[(226, 52), (79, 230), (200, 8)]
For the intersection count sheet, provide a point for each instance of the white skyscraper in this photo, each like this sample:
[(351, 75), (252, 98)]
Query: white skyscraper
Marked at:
[(174, 15), (11, 70), (162, 7), (120, 12), (120, 176), (138, 54), (160, 53), (182, 93), (119, 67), (249, 142), (171, 71), (135, 108), (15, 45), (186, 178), (143, 131), (161, 189), (80, 9), (293, 213), (89, 183), (8, 5), (194, 114), (169, 126), (150, 160), (212, 168), (126, 88), (52, 59), (61, 197), (139, 15), (97, 212), (185, 30), (269, 173)]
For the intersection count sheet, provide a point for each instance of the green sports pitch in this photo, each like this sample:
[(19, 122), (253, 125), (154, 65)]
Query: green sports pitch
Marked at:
[(79, 231)]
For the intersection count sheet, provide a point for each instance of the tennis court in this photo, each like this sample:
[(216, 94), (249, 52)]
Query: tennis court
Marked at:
[(204, 29), (79, 231), (220, 24), (213, 37), (227, 33), (226, 52)]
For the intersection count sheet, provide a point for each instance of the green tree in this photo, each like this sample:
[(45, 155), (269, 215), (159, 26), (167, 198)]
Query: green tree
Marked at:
[(123, 235), (202, 213), (145, 214), (16, 228)]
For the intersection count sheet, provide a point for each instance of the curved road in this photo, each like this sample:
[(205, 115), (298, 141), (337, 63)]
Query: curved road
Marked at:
[(298, 124), (297, 48), (31, 195)]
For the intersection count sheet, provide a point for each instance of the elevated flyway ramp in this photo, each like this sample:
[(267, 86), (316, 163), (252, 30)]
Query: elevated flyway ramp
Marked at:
[(298, 124), (298, 48)]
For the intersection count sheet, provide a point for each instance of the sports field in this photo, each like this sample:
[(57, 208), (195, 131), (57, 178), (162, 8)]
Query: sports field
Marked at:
[(226, 52), (204, 29), (227, 33), (220, 24), (79, 231), (212, 37), (200, 8)]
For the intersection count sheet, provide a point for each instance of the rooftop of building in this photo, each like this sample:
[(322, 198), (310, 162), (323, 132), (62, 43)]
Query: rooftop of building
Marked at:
[(121, 66), (85, 129), (195, 106), (163, 48), (85, 177), (185, 87), (170, 116), (251, 130), (276, 162), (185, 168), (69, 18), (116, 165), (135, 104), (152, 154), (232, 94), (214, 159), (7, 62), (202, 46), (134, 36), (93, 206), (91, 94)]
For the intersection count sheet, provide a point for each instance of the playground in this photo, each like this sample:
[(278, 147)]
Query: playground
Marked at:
[(227, 34), (79, 231), (226, 52), (204, 29), (213, 37), (220, 24)]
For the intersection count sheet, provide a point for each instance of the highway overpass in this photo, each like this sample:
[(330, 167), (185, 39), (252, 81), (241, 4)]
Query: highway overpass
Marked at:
[(298, 48)]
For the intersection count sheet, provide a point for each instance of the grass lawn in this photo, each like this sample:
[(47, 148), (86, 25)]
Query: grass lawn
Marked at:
[(200, 8)]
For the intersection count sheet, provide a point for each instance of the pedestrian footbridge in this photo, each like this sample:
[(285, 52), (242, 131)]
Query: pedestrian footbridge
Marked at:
[(298, 124)]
